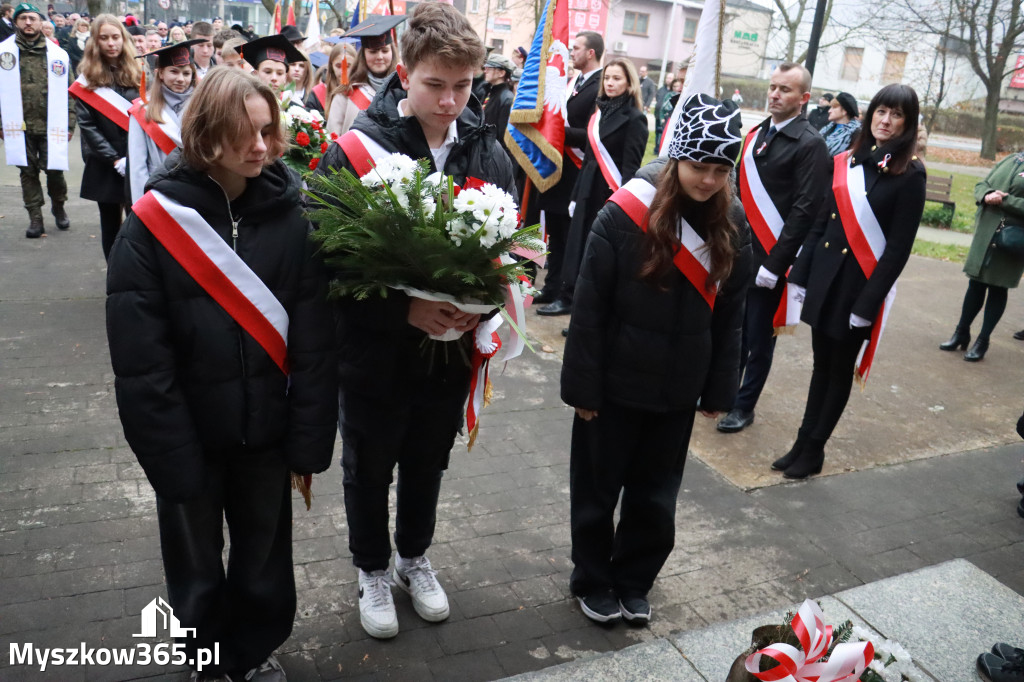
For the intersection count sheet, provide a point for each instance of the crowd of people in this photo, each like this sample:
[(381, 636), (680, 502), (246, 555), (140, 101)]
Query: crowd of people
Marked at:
[(234, 371)]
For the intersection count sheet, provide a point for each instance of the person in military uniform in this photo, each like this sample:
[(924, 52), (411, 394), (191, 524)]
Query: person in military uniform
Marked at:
[(28, 55)]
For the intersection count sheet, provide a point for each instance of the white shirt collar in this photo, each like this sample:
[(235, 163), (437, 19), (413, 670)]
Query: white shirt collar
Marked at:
[(588, 74), (451, 137), (780, 126)]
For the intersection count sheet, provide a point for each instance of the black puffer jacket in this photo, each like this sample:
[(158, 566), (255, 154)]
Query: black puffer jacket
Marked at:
[(636, 345), (191, 384), (103, 143), (377, 347)]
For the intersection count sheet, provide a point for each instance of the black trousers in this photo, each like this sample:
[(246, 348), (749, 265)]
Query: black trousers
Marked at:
[(831, 381), (31, 190), (249, 609), (639, 454), (111, 217), (415, 431), (758, 343), (557, 226)]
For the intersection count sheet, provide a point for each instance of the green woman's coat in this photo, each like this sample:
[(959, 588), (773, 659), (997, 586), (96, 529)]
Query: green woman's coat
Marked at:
[(985, 263)]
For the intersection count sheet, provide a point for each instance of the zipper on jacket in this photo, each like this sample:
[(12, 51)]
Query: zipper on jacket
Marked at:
[(241, 347)]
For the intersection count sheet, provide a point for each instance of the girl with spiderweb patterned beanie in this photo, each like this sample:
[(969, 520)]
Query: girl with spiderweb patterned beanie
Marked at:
[(654, 337)]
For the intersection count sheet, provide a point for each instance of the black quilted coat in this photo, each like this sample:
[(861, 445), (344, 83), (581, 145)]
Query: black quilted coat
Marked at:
[(644, 347), (191, 384)]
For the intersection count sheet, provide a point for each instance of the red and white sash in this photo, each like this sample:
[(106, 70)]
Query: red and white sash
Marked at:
[(693, 259), (867, 241), (104, 100), (612, 174), (208, 259), (361, 96), (764, 218), (320, 90), (766, 223), (575, 155), (165, 135), (362, 152)]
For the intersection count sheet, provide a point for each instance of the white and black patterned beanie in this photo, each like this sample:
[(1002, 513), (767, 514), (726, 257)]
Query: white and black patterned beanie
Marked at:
[(708, 131)]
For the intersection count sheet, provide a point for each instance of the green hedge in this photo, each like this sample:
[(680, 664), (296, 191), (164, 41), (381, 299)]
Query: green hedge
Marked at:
[(1009, 132)]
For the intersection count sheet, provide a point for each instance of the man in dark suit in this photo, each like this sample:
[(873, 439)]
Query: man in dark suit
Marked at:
[(782, 191), (587, 50), (6, 21)]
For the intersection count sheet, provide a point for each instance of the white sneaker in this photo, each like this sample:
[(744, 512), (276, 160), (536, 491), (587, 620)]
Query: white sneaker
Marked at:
[(376, 605), (417, 578), (267, 671)]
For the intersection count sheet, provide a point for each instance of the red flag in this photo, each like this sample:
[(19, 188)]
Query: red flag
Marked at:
[(277, 16), (291, 14)]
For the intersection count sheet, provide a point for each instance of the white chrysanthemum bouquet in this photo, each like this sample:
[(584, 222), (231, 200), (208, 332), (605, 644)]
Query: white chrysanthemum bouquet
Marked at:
[(401, 227)]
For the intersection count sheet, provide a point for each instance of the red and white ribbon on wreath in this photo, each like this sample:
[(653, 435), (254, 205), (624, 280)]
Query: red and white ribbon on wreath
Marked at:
[(847, 661), (867, 242), (486, 343)]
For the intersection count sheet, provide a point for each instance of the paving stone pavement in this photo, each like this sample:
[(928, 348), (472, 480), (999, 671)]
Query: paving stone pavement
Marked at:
[(79, 551)]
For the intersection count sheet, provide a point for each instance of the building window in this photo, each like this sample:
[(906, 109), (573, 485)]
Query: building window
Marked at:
[(894, 63), (635, 23), (502, 5), (852, 60), (498, 45), (474, 6), (689, 30)]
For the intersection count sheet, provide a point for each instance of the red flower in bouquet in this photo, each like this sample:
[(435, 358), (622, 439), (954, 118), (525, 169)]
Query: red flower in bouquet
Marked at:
[(313, 164), (323, 147), (301, 138), (334, 136)]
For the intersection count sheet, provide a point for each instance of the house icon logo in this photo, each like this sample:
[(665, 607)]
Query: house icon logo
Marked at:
[(159, 614)]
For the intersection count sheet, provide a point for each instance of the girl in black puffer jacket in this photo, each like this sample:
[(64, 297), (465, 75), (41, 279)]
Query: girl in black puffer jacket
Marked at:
[(655, 332), (217, 408)]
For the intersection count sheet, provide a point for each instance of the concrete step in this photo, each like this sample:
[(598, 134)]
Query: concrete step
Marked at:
[(943, 615)]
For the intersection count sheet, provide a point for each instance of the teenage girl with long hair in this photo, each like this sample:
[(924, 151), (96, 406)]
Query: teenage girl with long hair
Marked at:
[(654, 336), (376, 60), (155, 123), (108, 82)]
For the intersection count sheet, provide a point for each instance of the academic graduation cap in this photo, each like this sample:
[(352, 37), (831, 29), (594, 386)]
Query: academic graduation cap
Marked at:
[(317, 59), (179, 54), (374, 32), (275, 47)]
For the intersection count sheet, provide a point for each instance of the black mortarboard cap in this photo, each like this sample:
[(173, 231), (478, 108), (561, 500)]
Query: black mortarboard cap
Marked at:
[(275, 47), (292, 33), (374, 32), (179, 54)]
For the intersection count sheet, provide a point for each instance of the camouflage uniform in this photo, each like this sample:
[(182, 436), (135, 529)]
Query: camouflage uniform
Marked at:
[(32, 60)]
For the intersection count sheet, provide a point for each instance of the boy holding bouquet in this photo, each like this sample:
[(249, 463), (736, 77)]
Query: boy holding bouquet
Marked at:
[(400, 405)]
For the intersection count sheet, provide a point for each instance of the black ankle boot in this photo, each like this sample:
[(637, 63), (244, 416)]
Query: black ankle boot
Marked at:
[(782, 463), (60, 216), (809, 461), (35, 224), (961, 337), (977, 351)]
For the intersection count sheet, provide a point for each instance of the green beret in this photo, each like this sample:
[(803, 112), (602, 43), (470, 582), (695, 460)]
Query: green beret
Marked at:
[(26, 7)]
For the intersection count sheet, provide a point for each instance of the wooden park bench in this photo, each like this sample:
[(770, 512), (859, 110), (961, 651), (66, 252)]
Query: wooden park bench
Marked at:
[(940, 188)]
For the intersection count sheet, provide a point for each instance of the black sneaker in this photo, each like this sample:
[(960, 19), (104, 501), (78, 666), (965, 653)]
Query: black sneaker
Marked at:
[(1008, 652), (995, 669), (1020, 508), (600, 608), (636, 610)]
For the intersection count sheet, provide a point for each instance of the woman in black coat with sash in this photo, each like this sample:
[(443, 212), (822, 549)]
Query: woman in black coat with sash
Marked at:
[(623, 133), (842, 305), (109, 62), (649, 340)]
